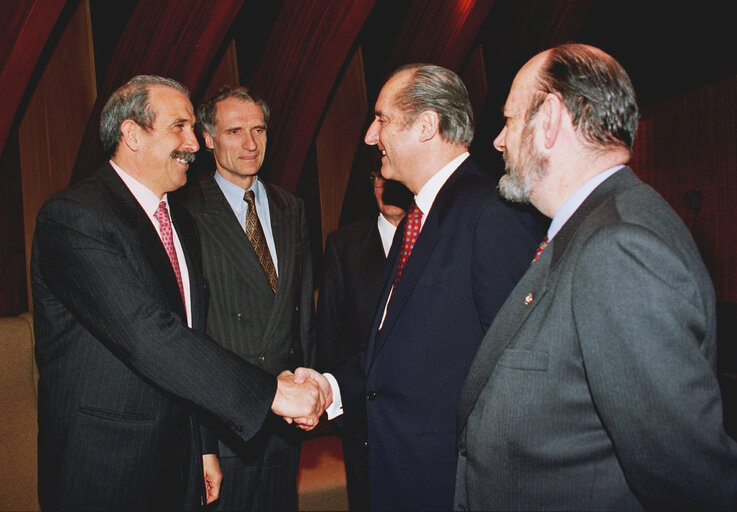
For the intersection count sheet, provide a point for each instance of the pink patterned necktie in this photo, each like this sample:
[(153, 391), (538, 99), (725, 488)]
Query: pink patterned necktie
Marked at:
[(162, 215), (540, 248), (411, 232)]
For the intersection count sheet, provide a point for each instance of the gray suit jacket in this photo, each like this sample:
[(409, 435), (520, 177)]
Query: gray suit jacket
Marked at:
[(272, 331), (595, 386)]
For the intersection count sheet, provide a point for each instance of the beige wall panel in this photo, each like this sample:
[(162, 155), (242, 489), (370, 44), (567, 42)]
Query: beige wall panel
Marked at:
[(55, 120), (226, 72), (474, 76), (337, 140)]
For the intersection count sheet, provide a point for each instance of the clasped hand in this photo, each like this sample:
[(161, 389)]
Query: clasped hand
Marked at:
[(302, 397)]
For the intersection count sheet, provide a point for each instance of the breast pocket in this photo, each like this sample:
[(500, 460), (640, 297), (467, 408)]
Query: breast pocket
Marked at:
[(524, 360)]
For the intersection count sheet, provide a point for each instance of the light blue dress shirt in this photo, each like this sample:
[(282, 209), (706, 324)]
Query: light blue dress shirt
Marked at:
[(234, 194)]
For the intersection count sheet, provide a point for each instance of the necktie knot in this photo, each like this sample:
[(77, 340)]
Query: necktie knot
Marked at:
[(249, 197)]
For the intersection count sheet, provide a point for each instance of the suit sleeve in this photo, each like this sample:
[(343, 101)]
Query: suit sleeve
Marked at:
[(641, 318), (504, 245), (307, 301), (329, 317), (99, 276)]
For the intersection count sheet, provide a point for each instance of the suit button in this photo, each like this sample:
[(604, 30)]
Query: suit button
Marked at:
[(291, 351), (239, 316), (261, 358), (296, 308), (371, 395)]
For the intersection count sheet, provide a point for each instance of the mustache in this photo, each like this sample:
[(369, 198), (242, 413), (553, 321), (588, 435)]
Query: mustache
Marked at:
[(187, 156)]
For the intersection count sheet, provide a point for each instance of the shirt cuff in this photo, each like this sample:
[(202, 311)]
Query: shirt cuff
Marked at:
[(336, 408)]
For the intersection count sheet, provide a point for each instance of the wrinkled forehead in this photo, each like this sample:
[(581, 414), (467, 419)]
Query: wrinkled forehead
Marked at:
[(393, 86), (170, 103)]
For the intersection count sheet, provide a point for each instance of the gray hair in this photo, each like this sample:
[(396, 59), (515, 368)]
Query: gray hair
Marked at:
[(442, 91), (207, 111), (131, 101), (595, 89)]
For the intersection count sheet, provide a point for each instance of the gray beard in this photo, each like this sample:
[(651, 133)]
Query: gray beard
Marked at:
[(514, 187)]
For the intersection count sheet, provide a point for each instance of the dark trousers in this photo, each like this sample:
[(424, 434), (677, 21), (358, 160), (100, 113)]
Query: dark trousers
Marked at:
[(263, 474), (354, 437)]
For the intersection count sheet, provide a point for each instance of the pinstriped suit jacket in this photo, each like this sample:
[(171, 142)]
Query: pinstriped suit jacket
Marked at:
[(120, 371), (272, 331)]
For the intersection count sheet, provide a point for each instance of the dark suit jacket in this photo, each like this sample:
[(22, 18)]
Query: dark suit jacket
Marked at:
[(272, 331), (120, 371), (595, 388), (469, 255), (352, 269)]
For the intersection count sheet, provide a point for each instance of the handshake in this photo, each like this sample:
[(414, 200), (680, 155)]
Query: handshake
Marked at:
[(301, 397)]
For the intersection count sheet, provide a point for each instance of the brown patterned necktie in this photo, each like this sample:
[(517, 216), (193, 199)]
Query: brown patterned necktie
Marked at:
[(255, 234), (162, 215)]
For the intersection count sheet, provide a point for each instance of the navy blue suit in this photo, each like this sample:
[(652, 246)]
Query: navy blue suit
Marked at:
[(471, 251)]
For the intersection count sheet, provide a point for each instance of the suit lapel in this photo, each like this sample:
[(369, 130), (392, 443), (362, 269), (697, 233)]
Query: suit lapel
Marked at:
[(371, 257), (281, 228), (421, 253), (152, 249), (519, 305), (528, 294), (224, 227)]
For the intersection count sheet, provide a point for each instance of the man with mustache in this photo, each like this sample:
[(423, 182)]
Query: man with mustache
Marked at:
[(119, 300), (595, 387), (257, 261)]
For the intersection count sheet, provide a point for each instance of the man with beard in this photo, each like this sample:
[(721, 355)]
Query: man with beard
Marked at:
[(118, 301), (458, 253), (352, 266), (595, 387)]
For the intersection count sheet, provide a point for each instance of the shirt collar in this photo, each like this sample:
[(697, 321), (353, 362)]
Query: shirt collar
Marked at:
[(571, 205), (426, 196), (234, 194), (148, 200)]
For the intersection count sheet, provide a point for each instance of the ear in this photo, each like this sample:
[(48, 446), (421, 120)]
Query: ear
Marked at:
[(552, 116), (130, 132), (429, 124), (209, 142)]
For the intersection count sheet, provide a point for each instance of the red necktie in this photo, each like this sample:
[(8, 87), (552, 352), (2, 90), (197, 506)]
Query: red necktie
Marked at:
[(411, 232), (162, 215), (255, 234), (540, 248)]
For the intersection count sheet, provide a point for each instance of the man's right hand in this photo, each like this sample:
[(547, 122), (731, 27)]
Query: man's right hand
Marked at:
[(304, 400)]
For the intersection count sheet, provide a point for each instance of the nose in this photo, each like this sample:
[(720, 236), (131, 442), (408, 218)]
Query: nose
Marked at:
[(249, 142), (500, 141), (190, 141), (372, 135)]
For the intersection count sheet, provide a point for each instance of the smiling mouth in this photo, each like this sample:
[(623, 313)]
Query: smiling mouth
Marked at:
[(184, 157)]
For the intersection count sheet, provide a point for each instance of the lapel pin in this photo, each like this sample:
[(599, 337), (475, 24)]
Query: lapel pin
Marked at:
[(529, 298)]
